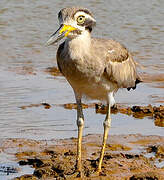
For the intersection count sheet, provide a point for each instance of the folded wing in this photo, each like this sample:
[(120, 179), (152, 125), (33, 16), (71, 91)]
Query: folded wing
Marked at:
[(121, 68)]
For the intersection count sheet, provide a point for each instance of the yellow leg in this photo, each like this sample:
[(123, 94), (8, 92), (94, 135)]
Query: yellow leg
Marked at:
[(107, 124), (80, 124), (80, 131)]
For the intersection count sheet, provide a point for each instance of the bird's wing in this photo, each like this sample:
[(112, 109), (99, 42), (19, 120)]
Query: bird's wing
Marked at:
[(120, 66)]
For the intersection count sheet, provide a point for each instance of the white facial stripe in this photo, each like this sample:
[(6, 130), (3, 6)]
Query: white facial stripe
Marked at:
[(73, 22), (81, 13)]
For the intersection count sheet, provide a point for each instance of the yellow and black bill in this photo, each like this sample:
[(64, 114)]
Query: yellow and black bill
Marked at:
[(62, 32)]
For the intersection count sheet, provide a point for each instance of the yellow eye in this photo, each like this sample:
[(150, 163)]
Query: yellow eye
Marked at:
[(81, 19)]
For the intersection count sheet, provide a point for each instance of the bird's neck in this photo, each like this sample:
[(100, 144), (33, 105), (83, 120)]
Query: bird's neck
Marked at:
[(81, 44)]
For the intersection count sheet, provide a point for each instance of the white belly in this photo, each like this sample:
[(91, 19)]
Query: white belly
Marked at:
[(95, 88)]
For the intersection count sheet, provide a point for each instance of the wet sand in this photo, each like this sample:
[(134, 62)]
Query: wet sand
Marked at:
[(126, 157)]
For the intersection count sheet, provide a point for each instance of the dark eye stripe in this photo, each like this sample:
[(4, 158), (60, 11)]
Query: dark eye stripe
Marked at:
[(87, 23)]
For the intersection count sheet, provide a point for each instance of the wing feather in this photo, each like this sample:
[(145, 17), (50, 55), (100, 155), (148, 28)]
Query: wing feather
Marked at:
[(120, 66), (123, 73)]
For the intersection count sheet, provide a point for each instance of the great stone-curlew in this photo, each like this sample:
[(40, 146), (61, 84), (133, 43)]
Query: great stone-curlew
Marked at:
[(95, 68)]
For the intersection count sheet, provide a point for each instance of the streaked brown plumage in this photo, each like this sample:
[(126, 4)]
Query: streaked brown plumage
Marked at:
[(95, 68)]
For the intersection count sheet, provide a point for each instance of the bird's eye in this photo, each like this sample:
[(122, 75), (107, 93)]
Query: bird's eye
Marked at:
[(81, 19)]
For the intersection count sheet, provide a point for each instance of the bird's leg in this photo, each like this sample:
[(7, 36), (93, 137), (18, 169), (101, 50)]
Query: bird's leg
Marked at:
[(107, 124), (80, 124)]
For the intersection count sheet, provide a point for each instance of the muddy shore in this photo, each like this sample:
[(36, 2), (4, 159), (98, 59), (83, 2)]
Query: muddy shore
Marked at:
[(132, 156), (126, 157), (153, 112)]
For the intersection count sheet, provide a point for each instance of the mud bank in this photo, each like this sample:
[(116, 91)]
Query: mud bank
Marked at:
[(154, 112), (126, 157)]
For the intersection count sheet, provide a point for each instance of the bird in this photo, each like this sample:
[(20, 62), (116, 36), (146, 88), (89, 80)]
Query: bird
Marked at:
[(94, 67)]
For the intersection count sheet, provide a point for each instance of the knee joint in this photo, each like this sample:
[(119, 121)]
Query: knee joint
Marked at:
[(107, 123), (80, 122)]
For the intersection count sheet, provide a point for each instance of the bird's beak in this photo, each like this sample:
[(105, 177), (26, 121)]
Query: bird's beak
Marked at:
[(62, 32)]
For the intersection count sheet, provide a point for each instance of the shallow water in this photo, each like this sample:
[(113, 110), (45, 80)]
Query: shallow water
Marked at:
[(12, 170), (24, 29)]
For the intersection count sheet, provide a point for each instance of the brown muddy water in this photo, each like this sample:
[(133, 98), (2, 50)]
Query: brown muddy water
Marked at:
[(26, 25)]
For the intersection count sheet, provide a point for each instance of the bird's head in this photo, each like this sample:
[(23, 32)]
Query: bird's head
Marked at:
[(73, 22)]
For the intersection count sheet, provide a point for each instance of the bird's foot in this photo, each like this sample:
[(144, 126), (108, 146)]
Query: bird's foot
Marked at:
[(96, 174), (74, 175), (78, 169), (98, 171), (78, 174)]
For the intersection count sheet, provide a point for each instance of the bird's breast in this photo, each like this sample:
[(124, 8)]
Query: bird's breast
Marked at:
[(86, 77), (84, 70), (80, 68)]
